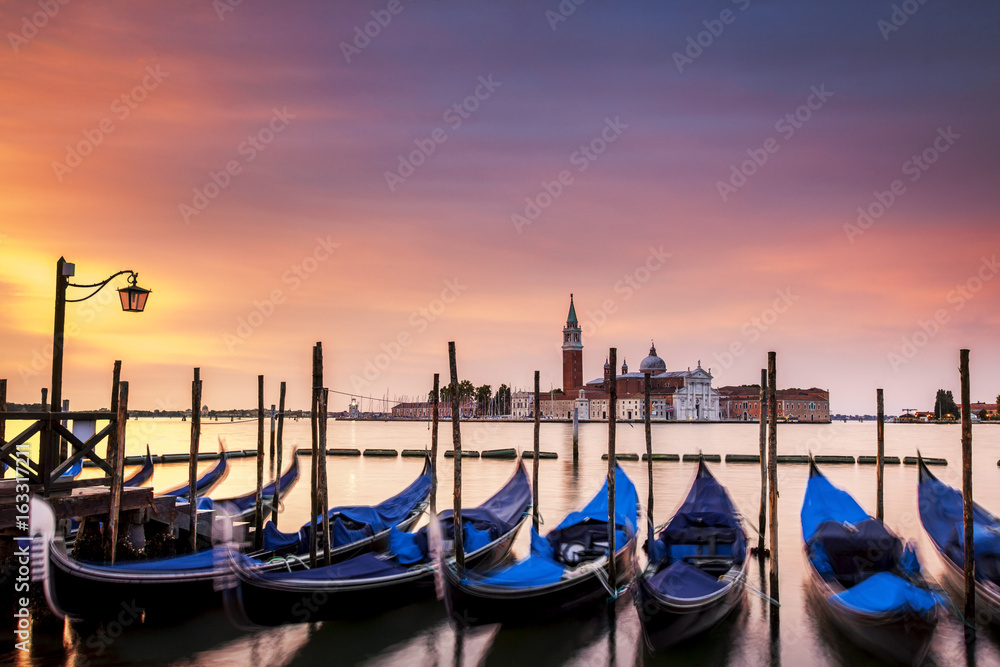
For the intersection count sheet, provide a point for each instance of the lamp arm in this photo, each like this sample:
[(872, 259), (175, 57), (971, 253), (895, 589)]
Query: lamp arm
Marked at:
[(133, 277)]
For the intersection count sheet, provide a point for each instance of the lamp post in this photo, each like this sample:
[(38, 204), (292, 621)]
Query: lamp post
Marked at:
[(133, 299)]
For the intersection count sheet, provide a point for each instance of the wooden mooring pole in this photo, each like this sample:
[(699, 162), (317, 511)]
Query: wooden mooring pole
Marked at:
[(970, 547), (324, 489), (456, 434), (772, 468), (762, 519), (880, 457), (314, 471), (650, 526), (612, 467), (576, 434), (279, 445), (534, 461), (116, 376), (193, 457), (271, 458), (258, 512), (111, 536), (434, 442), (3, 422)]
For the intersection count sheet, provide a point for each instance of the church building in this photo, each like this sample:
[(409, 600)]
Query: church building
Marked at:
[(674, 395)]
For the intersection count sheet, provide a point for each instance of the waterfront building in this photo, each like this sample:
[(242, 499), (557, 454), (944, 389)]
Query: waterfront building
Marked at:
[(742, 403)]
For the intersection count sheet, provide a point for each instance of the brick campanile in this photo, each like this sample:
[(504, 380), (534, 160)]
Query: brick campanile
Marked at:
[(572, 351)]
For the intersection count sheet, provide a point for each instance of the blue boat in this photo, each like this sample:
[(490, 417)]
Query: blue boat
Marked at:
[(567, 572), (372, 583), (356, 529), (206, 482), (696, 575), (242, 508), (941, 515), (866, 582), (143, 474)]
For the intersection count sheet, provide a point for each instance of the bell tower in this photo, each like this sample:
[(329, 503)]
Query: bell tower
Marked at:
[(572, 351)]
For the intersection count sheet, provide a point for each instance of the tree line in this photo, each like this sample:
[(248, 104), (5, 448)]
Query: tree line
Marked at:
[(487, 401)]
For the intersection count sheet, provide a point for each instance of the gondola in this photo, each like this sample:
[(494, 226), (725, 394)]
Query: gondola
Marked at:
[(941, 515), (356, 529), (143, 474), (698, 570), (206, 482), (156, 588), (566, 573), (242, 508), (371, 583), (864, 580)]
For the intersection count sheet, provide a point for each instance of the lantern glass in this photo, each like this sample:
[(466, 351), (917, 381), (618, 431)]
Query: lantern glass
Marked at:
[(133, 298)]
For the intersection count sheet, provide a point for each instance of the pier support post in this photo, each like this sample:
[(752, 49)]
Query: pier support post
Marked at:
[(772, 468), (970, 547), (193, 457), (111, 536), (456, 434), (880, 457), (762, 519), (434, 442), (650, 526), (258, 511), (534, 462), (314, 471), (279, 445), (321, 480), (612, 466)]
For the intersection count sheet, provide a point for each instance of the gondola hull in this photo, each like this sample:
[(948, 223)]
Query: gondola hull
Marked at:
[(898, 638), (586, 593), (263, 602), (668, 621)]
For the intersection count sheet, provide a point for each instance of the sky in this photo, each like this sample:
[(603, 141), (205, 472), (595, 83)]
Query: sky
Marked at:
[(722, 178)]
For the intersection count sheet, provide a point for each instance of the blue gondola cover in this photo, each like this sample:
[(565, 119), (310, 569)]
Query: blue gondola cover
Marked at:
[(885, 592)]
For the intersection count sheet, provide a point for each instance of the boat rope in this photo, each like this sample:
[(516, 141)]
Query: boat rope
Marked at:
[(753, 589), (603, 578)]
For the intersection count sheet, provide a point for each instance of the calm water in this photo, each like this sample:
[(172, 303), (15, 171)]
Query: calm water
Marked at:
[(421, 635)]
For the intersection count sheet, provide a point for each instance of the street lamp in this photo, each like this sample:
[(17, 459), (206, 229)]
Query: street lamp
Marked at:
[(133, 300)]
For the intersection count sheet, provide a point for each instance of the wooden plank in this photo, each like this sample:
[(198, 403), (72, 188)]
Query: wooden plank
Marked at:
[(193, 458), (280, 447), (879, 456), (436, 393), (664, 457), (384, 453), (537, 412), (612, 466), (772, 470), (762, 458)]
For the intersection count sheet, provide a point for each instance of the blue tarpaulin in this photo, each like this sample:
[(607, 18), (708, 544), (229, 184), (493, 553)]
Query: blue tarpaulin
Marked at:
[(203, 560), (683, 580), (361, 520), (481, 525), (365, 566), (884, 592), (541, 568), (825, 502), (941, 513)]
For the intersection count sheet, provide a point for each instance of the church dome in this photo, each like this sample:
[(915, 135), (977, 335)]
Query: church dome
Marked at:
[(653, 364)]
